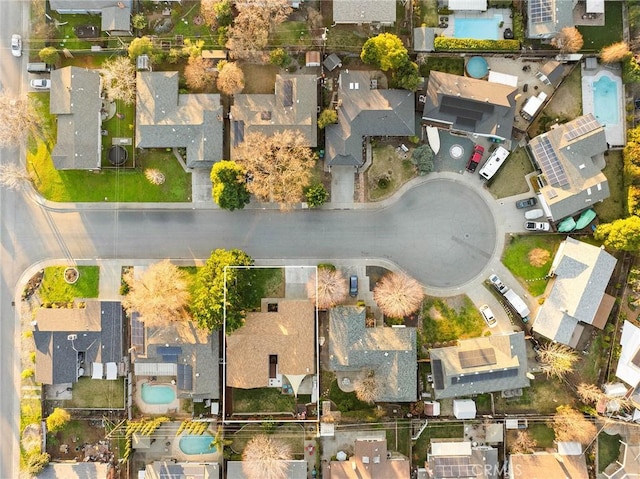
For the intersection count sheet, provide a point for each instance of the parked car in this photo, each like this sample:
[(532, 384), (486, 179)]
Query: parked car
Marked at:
[(40, 83), (476, 156), (488, 316), (498, 284), (534, 214), (16, 45), (537, 226), (528, 203), (353, 286)]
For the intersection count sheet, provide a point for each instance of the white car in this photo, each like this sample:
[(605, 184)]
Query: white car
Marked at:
[(40, 84), (488, 316), (16, 45), (534, 214), (537, 226)]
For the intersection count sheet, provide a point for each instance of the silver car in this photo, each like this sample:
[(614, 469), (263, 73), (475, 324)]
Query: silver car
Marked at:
[(488, 316), (40, 83), (16, 45)]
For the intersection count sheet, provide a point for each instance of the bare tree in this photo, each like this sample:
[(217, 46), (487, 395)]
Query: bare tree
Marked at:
[(367, 388), (230, 78), (13, 176), (331, 289), (568, 40), (19, 118), (199, 73), (616, 52), (589, 393), (557, 359), (571, 425), (119, 79), (264, 457), (524, 444), (159, 296), (278, 166), (398, 295)]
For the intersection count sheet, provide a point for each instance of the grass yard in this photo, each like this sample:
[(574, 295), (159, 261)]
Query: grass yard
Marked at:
[(543, 434), (510, 179), (543, 397), (346, 401), (398, 436), (516, 258), (119, 128), (92, 61), (292, 34), (595, 38), (428, 13), (66, 32), (259, 78), (452, 65), (449, 319), (608, 450), (262, 400), (265, 283), (291, 434), (615, 206), (185, 13), (436, 429), (91, 394), (388, 172), (343, 38), (54, 289)]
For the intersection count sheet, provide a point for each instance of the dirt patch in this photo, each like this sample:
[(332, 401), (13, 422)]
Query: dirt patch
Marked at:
[(538, 257), (435, 314)]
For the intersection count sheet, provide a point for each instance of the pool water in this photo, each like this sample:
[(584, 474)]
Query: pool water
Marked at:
[(158, 393), (605, 101), (478, 28), (477, 67), (193, 445)]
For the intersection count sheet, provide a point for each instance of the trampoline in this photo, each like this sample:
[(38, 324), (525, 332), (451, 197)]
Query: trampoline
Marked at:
[(118, 155), (477, 67)]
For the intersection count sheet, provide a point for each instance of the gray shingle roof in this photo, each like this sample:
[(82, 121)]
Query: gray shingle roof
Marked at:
[(182, 470), (75, 99), (364, 11), (366, 112), (390, 352), (167, 119), (561, 16), (116, 19), (582, 274), (296, 469), (79, 6)]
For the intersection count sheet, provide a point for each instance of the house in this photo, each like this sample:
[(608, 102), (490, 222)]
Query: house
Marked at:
[(459, 459), (629, 363), (182, 470), (293, 106), (389, 352), (365, 111), (571, 158), (332, 62), (274, 348), (116, 21), (87, 6), (73, 470), (76, 102), (166, 118), (76, 342), (468, 106), (576, 295), (369, 461), (627, 466), (545, 18), (545, 465), (480, 365), (295, 469), (364, 11)]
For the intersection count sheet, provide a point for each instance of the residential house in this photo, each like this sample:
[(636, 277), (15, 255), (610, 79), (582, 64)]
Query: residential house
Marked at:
[(79, 342), (73, 470), (365, 111), (369, 461), (360, 12), (545, 18), (449, 459), (274, 348), (295, 469), (182, 470), (86, 6), (75, 100), (468, 106), (389, 352), (627, 466), (576, 295), (166, 118), (116, 21), (547, 465), (571, 158), (480, 365), (629, 363), (293, 106)]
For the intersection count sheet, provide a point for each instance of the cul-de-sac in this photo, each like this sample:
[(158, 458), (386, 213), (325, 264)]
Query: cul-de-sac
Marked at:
[(338, 239)]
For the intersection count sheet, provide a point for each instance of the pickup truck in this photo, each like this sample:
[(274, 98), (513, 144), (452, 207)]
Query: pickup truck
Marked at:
[(476, 156)]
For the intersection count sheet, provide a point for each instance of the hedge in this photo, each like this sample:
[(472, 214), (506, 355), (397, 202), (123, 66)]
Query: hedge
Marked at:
[(447, 43)]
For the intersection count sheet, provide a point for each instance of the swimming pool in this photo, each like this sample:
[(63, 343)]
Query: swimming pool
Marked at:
[(605, 101), (477, 67), (478, 28), (158, 393), (193, 445)]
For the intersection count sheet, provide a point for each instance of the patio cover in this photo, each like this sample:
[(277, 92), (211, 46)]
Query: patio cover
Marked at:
[(433, 136), (112, 371), (295, 380), (475, 5), (595, 6), (155, 369), (96, 371), (503, 79)]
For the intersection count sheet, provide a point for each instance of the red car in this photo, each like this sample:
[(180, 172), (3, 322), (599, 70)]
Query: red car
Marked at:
[(476, 156)]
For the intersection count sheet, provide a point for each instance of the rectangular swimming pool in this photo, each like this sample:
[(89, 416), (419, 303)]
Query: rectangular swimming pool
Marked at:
[(478, 28)]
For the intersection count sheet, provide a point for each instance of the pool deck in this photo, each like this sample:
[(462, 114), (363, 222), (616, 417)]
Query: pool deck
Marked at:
[(449, 31), (615, 133)]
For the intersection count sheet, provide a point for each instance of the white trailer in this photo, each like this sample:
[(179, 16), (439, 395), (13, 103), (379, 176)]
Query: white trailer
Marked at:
[(532, 105), (518, 304), (494, 163)]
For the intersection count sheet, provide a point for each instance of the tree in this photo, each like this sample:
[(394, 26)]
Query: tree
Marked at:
[(571, 425), (407, 76), (192, 48), (384, 51), (139, 21), (568, 40), (331, 288), (199, 73), (422, 158), (230, 78), (216, 13), (19, 118), (140, 46), (57, 420), (557, 359), (367, 387), (229, 185), (13, 176), (398, 295), (36, 462), (119, 79), (316, 195), (614, 53), (264, 457), (208, 304), (279, 166), (589, 393), (160, 295), (49, 55), (524, 444), (622, 234), (327, 117), (279, 57)]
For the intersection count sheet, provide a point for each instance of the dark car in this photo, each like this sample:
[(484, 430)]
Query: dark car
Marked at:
[(476, 156), (528, 203), (353, 286)]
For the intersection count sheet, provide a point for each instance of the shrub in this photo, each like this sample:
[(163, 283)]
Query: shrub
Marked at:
[(279, 57), (327, 117), (49, 55), (57, 420), (27, 373), (155, 177), (37, 461), (446, 43), (316, 195)]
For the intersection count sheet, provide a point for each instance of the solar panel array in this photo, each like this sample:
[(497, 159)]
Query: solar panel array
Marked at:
[(477, 357), (549, 163), (438, 375), (185, 377), (581, 126), (485, 376), (287, 93), (454, 467), (540, 11), (137, 333)]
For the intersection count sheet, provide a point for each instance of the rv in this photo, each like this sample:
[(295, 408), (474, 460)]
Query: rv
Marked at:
[(494, 163)]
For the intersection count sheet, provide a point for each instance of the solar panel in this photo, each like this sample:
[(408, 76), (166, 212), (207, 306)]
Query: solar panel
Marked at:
[(137, 332), (540, 11), (287, 93), (485, 376), (238, 132), (581, 126), (438, 375), (461, 113), (164, 350), (477, 357), (549, 163), (454, 467), (185, 377), (467, 104)]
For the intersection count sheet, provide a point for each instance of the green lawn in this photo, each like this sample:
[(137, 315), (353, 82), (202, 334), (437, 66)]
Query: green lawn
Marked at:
[(542, 397), (440, 430), (343, 38), (597, 37), (453, 65), (119, 128), (444, 321), (510, 179), (516, 258), (55, 289), (608, 450), (399, 437), (262, 400), (346, 402), (289, 433), (292, 34), (613, 207), (184, 15), (589, 366), (91, 394), (428, 13), (66, 33), (265, 283), (543, 434)]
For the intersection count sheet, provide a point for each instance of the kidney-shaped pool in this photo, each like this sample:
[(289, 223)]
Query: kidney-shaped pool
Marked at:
[(195, 445)]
